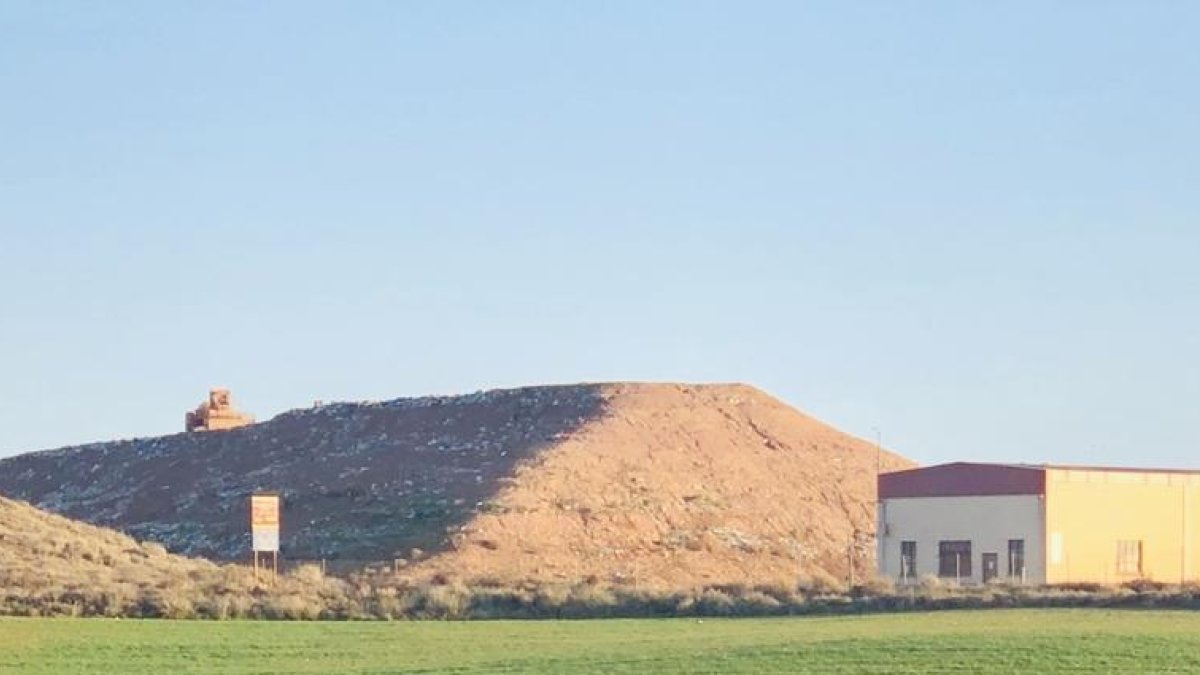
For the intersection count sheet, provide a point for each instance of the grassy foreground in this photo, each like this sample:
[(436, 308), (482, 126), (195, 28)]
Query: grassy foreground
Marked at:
[(975, 641)]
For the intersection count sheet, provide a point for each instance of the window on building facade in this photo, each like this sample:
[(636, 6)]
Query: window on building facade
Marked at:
[(908, 560), (954, 559), (1016, 558), (1129, 556)]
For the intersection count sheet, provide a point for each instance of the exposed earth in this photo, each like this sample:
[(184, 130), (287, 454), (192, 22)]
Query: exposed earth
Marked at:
[(652, 484), (41, 551)]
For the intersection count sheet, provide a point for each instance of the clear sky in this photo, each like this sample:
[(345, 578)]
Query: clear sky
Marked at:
[(974, 226)]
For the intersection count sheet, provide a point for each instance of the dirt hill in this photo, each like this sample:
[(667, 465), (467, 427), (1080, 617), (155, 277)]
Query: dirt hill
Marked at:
[(659, 485), (54, 566), (40, 551)]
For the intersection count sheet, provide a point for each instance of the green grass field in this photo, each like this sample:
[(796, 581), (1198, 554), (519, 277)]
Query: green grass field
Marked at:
[(975, 641)]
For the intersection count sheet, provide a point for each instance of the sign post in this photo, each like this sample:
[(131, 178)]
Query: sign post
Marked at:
[(264, 531)]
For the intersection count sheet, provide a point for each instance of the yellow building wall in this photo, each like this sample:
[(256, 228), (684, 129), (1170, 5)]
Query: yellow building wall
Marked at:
[(1089, 512)]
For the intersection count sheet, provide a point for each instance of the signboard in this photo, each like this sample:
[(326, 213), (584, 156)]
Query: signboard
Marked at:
[(264, 522), (266, 540)]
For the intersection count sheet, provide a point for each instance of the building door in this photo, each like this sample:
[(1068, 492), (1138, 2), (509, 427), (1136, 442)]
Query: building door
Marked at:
[(991, 566), (1016, 560), (908, 561)]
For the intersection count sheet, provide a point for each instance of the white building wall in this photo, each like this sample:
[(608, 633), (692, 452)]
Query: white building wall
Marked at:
[(988, 522)]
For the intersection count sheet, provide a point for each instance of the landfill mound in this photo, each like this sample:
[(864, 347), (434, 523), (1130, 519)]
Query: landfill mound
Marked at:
[(648, 484)]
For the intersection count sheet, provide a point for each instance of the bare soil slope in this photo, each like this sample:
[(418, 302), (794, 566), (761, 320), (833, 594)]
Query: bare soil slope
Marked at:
[(659, 485), (681, 486), (42, 551), (54, 566)]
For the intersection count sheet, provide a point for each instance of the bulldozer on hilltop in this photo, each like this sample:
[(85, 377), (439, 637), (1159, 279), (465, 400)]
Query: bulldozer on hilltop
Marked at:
[(217, 413)]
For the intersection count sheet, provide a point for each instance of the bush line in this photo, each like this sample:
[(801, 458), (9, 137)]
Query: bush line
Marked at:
[(307, 594)]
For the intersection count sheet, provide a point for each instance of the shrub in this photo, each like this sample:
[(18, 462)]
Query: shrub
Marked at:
[(308, 575), (449, 601), (592, 600), (291, 607), (550, 599), (820, 582), (712, 602), (874, 587), (169, 604), (757, 603)]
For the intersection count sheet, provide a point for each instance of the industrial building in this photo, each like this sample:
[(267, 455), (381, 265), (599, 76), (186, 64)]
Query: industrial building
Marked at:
[(1039, 524)]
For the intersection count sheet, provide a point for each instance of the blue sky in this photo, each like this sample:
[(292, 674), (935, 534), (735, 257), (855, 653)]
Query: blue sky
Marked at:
[(974, 226)]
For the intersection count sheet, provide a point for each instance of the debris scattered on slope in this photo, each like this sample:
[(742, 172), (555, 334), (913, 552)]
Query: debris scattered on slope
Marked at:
[(625, 483)]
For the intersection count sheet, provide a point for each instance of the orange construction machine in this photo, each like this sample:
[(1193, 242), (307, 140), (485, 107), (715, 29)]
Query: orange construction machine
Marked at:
[(216, 413)]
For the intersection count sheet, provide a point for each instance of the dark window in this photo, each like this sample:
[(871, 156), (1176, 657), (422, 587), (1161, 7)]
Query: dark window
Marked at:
[(954, 559), (908, 560), (1016, 558)]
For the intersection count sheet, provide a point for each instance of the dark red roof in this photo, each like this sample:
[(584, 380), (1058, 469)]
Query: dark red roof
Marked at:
[(964, 479)]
